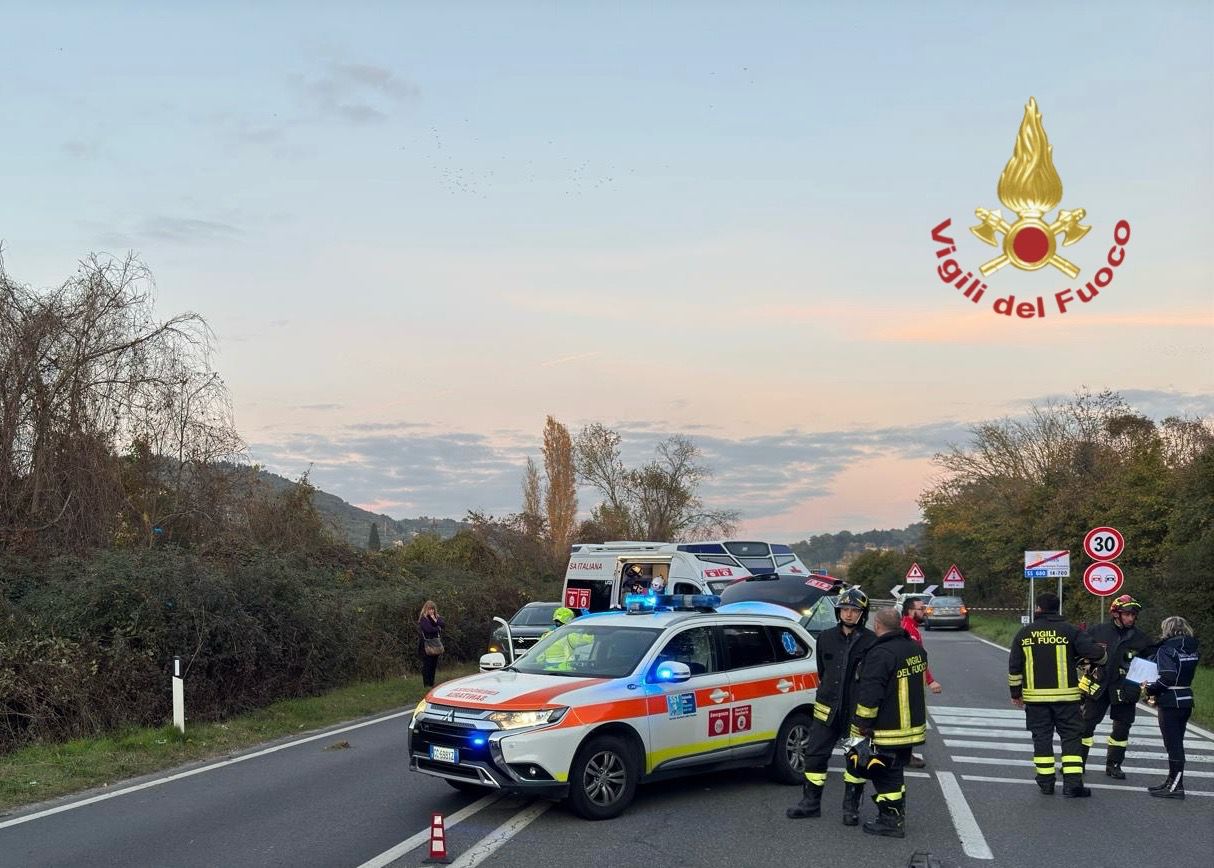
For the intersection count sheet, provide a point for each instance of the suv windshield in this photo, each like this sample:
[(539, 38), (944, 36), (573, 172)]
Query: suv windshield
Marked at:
[(945, 602), (597, 650), (821, 616), (534, 616)]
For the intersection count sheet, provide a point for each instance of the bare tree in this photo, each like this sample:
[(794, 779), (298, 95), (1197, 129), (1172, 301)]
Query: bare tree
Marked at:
[(657, 501), (532, 515), (88, 375), (560, 493)]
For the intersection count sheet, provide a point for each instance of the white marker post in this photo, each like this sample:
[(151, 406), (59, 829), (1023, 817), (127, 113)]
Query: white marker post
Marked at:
[(178, 696)]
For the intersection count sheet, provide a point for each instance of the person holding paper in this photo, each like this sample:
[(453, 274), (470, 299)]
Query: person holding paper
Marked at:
[(1176, 660)]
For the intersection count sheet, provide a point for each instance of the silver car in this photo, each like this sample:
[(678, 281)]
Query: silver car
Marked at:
[(947, 612)]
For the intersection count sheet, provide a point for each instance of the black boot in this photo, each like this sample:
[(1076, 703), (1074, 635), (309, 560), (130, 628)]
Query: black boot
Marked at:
[(1167, 782), (1075, 791), (1173, 787), (1113, 770), (810, 804), (851, 803), (889, 822), (1046, 785)]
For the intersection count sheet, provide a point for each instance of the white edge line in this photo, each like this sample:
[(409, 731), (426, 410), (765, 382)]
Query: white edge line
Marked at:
[(197, 771), (389, 856), (966, 824), (1085, 783), (491, 843), (1142, 706)]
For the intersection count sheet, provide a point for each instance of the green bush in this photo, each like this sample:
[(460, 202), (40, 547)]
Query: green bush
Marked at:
[(86, 644)]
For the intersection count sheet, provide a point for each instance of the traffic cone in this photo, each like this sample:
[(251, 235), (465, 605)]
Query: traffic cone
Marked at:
[(438, 841)]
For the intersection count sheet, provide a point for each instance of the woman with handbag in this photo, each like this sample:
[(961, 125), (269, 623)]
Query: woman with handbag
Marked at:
[(430, 640)]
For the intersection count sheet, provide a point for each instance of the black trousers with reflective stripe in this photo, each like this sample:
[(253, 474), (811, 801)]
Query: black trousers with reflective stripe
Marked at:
[(1043, 719), (891, 783), (1122, 715)]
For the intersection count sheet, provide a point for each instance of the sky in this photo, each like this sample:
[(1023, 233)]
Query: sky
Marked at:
[(419, 228)]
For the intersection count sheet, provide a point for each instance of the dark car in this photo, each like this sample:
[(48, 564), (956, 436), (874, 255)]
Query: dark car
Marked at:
[(811, 596), (526, 627), (947, 612)]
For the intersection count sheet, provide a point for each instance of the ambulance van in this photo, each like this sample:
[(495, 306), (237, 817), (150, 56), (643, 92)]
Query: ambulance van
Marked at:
[(596, 575)]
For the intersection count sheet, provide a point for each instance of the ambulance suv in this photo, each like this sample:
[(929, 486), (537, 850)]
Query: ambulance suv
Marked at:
[(671, 686), (595, 575)]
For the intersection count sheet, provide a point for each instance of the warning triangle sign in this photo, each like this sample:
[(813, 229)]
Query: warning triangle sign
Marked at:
[(953, 578), (915, 574)]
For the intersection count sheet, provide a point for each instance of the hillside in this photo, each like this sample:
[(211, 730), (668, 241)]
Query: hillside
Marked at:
[(353, 524), (834, 551)]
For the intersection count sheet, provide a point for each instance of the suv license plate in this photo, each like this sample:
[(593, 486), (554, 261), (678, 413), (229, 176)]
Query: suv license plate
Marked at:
[(444, 754)]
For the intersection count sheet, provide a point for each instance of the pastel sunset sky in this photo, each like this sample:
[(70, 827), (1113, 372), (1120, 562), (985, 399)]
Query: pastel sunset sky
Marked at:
[(418, 228)]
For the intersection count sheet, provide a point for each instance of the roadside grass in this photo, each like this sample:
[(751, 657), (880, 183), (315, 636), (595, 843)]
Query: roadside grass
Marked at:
[(1001, 631), (41, 772)]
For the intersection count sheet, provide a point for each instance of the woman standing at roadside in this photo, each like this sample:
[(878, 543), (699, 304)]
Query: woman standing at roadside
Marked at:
[(429, 641), (1176, 660)]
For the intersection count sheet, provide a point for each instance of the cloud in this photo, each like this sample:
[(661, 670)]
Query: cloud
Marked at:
[(356, 93), (551, 363), (184, 230), (322, 407), (80, 150)]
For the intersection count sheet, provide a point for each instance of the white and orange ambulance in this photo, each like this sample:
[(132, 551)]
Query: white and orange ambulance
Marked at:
[(610, 700), (596, 576)]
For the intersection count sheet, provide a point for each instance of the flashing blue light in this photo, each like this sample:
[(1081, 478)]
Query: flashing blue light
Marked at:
[(640, 602), (478, 740), (635, 603), (664, 674)]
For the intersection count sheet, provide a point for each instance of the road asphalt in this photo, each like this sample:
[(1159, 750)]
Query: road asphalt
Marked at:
[(318, 803)]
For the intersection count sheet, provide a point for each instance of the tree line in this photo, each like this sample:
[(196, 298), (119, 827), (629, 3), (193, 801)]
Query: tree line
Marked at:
[(1042, 481)]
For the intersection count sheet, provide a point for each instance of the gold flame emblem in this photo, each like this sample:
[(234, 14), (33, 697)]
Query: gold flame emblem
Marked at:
[(1030, 187)]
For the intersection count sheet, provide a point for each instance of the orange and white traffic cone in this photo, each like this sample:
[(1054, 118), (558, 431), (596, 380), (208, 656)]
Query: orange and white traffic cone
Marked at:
[(438, 841)]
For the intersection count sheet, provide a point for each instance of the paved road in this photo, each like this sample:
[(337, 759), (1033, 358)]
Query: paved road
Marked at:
[(305, 804)]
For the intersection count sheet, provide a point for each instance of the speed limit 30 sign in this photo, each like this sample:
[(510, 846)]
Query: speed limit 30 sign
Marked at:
[(1103, 578), (1103, 544)]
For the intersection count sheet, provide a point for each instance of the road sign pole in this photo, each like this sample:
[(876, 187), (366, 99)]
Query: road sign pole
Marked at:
[(1060, 595)]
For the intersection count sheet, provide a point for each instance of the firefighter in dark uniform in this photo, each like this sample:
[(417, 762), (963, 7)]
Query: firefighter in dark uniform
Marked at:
[(891, 708), (1044, 682), (840, 650), (1105, 688)]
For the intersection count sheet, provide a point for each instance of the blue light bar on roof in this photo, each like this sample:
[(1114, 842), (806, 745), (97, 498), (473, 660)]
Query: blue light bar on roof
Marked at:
[(641, 603)]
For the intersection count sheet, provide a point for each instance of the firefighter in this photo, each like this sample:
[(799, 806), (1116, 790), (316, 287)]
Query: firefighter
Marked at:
[(1043, 681), (891, 709), (1105, 688), (559, 655), (840, 650)]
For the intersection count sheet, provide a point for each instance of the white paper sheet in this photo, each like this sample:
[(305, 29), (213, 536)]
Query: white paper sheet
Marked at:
[(1142, 670)]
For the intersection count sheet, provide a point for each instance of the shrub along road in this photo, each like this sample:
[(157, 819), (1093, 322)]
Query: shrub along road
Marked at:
[(307, 803)]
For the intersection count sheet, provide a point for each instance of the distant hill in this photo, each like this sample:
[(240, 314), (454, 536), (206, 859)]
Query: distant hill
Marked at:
[(354, 525), (834, 551)]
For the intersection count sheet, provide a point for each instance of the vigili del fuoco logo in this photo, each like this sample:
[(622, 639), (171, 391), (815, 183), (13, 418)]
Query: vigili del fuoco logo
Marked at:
[(1030, 187)]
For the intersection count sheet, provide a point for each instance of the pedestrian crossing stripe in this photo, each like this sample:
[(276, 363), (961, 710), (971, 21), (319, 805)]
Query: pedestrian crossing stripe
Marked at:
[(977, 737)]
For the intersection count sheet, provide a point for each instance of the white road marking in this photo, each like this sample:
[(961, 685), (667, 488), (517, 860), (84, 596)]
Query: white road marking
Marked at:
[(423, 837), (1142, 706), (1139, 790), (972, 840), (1097, 750), (491, 843), (206, 768), (1129, 770)]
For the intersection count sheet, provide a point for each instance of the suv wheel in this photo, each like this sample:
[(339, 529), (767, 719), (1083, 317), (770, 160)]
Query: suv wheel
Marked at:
[(603, 778), (792, 747)]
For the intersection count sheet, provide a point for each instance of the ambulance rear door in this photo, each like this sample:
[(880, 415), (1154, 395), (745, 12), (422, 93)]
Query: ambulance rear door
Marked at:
[(590, 581)]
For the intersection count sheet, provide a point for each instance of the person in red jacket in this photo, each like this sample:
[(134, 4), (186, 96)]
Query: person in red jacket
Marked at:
[(914, 613)]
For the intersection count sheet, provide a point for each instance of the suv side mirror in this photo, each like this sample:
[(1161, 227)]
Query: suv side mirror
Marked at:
[(671, 672), (489, 662)]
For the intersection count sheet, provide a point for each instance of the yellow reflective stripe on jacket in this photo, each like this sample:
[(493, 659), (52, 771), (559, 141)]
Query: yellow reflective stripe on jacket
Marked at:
[(821, 711), (895, 737), (1051, 694), (904, 720), (1015, 680), (865, 711), (1060, 662), (1028, 670)]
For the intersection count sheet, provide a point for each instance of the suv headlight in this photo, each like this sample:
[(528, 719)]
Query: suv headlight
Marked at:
[(520, 719)]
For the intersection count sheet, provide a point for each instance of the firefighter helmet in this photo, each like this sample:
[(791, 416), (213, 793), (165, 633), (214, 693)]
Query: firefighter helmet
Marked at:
[(853, 598), (1124, 603), (865, 759)]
